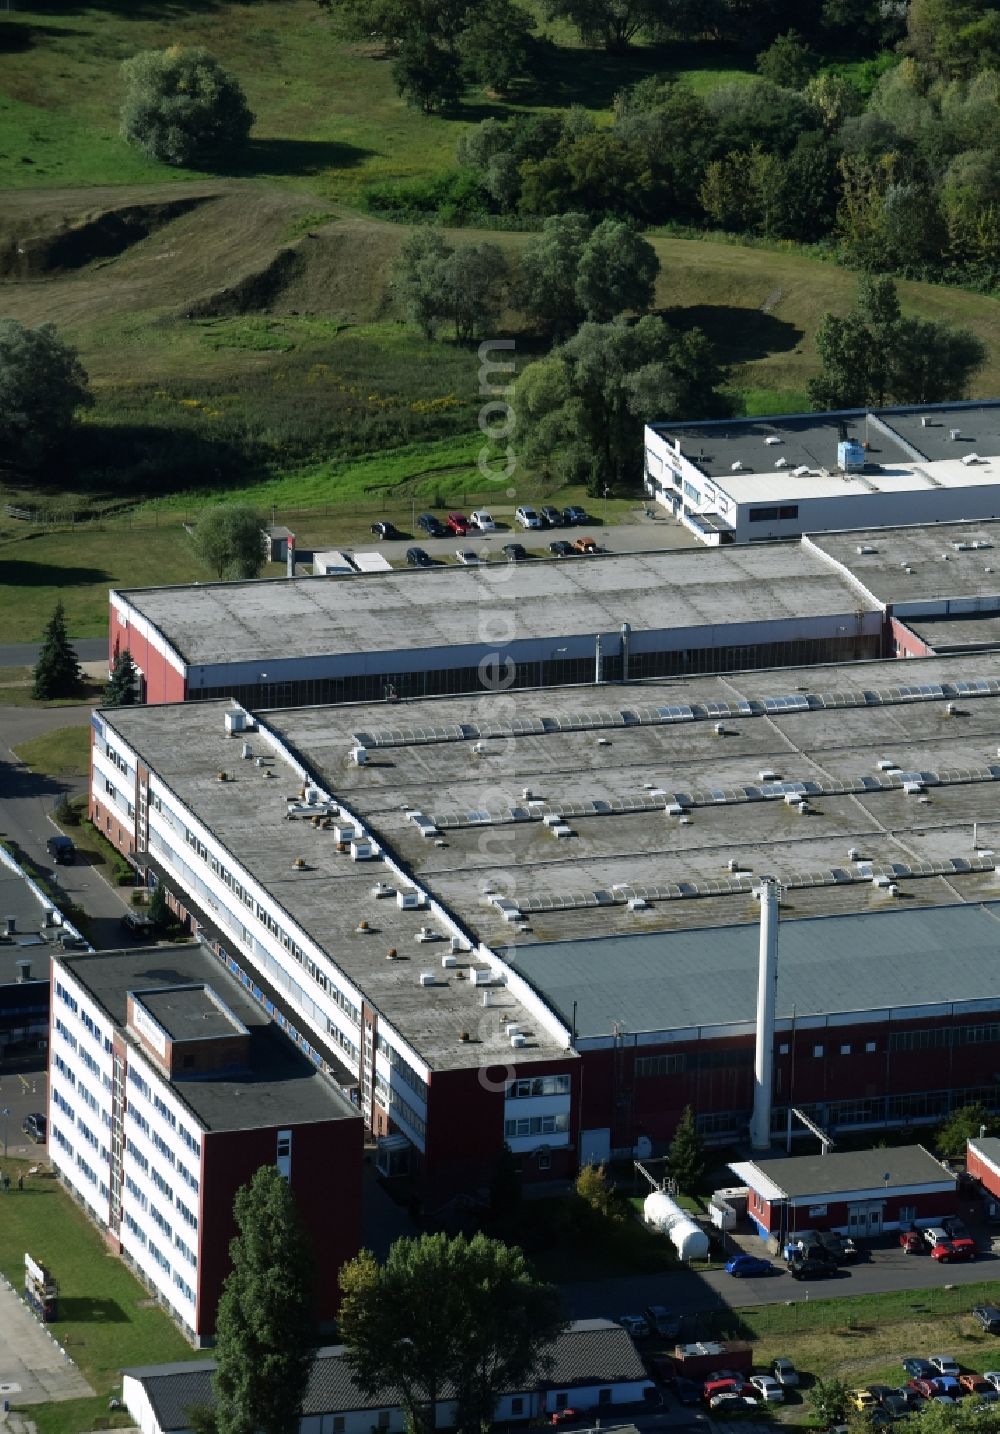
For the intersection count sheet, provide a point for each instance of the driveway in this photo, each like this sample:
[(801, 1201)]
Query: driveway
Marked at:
[(25, 654)]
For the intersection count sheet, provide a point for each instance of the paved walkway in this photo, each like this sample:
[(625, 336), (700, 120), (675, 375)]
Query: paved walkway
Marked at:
[(33, 1369)]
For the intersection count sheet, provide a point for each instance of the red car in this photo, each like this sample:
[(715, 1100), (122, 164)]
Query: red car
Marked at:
[(962, 1249), (926, 1388), (457, 523), (911, 1241), (975, 1384), (564, 1416), (585, 545), (722, 1386)]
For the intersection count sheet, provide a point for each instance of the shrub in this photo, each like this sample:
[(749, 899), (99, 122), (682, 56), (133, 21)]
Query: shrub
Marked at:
[(182, 107)]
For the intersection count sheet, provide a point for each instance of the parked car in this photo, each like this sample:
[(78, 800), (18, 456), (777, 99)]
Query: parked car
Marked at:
[(482, 521), (585, 545), (785, 1372), (768, 1388), (137, 923), (35, 1126), (900, 1403), (926, 1388), (564, 1416), (950, 1386), (918, 1368), (812, 1269), (934, 1234), (957, 1229), (61, 850), (987, 1317), (862, 1399), (662, 1321), (881, 1392), (992, 1376), (947, 1250), (528, 517), (714, 1387), (572, 515), (975, 1384), (514, 552), (743, 1266), (467, 557), (552, 516), (433, 527), (944, 1364), (729, 1376), (561, 549), (457, 523), (912, 1242), (731, 1403), (686, 1392), (386, 530), (418, 558), (635, 1325)]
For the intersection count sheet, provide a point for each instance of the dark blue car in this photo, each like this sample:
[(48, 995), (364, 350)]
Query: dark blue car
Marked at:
[(744, 1265)]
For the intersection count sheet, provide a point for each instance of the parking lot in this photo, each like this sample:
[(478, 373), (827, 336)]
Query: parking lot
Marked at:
[(33, 1369)]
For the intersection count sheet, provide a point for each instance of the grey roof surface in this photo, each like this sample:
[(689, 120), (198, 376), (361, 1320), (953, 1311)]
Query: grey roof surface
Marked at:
[(844, 1170), (812, 438), (32, 940), (596, 1351), (957, 634), (279, 1086), (189, 1013), (445, 607), (990, 1147), (678, 980), (969, 573)]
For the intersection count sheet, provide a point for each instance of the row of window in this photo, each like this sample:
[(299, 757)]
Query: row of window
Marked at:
[(538, 1085), (137, 1155), (393, 1102), (184, 1287), (162, 1185), (682, 1062), (986, 1033), (165, 1149), (66, 998), (133, 1113), (63, 1069), (135, 1078), (161, 1220), (137, 1194), (86, 1171), (87, 1134), (403, 1067), (771, 515), (113, 755), (63, 1031), (535, 1125), (186, 1251)]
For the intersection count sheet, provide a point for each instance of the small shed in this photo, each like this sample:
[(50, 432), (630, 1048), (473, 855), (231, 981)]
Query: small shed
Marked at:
[(856, 1192), (277, 541), (982, 1162)]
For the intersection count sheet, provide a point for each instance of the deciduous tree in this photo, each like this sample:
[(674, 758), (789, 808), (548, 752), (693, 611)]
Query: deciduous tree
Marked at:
[(265, 1330), (617, 271), (182, 107), (446, 1312), (230, 539), (495, 44), (57, 671), (42, 385), (962, 1126)]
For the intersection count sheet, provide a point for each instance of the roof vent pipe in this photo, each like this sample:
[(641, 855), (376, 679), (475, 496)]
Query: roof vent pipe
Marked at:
[(767, 972), (626, 634)]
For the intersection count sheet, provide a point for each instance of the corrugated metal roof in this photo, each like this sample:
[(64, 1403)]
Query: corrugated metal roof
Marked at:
[(708, 976)]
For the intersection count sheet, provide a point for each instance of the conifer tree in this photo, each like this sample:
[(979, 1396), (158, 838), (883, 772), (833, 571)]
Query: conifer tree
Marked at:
[(687, 1154), (57, 672), (121, 688)]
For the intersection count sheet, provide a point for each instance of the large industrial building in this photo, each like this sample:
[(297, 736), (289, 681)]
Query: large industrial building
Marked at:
[(749, 480), (404, 634), (169, 1087), (533, 920)]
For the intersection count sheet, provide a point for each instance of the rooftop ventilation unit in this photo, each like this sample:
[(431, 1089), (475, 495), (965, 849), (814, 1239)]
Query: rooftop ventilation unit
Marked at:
[(362, 851), (235, 722), (781, 463), (886, 764), (359, 756), (767, 774), (865, 550), (427, 933), (954, 434), (518, 1041), (736, 467), (457, 944), (853, 853), (382, 888), (478, 748), (512, 1028), (800, 471), (448, 961), (674, 809), (772, 439), (482, 976), (247, 752), (969, 459), (409, 900), (638, 903), (428, 978), (850, 456), (346, 832), (552, 819)]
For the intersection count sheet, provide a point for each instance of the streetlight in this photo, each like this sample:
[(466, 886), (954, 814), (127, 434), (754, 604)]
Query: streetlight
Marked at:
[(607, 490), (4, 1111)]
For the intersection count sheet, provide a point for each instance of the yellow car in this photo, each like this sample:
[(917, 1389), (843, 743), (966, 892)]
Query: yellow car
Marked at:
[(862, 1399)]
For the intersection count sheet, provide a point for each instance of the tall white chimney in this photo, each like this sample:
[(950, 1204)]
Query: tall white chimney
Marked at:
[(767, 975)]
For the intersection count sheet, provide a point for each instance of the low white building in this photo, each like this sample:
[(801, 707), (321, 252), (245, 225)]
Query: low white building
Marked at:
[(595, 1367), (751, 480)]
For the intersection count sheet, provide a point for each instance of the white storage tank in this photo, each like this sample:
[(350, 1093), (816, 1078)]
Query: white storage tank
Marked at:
[(665, 1215)]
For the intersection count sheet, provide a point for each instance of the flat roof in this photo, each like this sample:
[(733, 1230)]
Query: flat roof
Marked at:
[(989, 1147), (190, 1013), (32, 940), (957, 634), (448, 606), (842, 1171), (931, 564), (896, 439), (338, 902), (618, 810), (279, 1085)]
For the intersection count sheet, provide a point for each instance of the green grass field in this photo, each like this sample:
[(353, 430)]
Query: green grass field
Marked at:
[(107, 1321), (64, 752)]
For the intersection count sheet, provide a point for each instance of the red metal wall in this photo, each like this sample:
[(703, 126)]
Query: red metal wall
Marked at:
[(906, 643), (326, 1180), (164, 683), (981, 1171)]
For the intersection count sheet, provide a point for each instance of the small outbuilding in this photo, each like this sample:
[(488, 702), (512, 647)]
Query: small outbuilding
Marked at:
[(982, 1162), (859, 1193)]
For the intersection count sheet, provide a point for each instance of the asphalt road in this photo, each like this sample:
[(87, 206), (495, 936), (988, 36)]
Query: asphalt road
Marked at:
[(689, 1292), (641, 536), (25, 654), (27, 800)]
